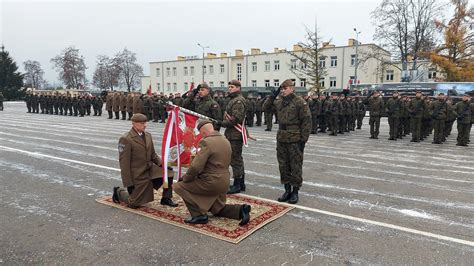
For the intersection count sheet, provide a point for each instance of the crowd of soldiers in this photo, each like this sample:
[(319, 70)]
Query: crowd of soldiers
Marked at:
[(62, 104), (421, 116)]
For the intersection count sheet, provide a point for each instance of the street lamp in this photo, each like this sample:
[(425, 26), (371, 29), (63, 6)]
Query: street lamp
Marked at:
[(357, 55), (203, 47)]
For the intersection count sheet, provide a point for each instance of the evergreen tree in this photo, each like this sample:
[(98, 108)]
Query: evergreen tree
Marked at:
[(11, 80)]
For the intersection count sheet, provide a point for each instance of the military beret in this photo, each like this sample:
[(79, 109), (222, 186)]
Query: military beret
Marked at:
[(235, 83), (287, 83), (139, 118), (418, 91), (395, 92), (202, 122), (467, 95), (204, 85)]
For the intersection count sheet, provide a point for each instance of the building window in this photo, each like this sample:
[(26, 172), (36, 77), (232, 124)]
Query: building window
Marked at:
[(303, 82), (239, 71), (211, 84), (211, 69), (204, 69), (222, 83), (389, 75), (333, 61), (254, 83), (432, 74), (267, 83), (158, 86), (352, 80), (157, 72), (191, 69), (276, 65), (175, 87), (353, 59), (254, 66), (293, 64), (167, 71), (185, 71), (174, 71), (321, 83), (168, 86), (222, 69), (303, 65), (322, 62), (332, 82), (276, 83), (186, 88), (267, 65)]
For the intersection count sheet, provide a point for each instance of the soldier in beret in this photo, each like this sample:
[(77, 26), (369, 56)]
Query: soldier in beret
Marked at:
[(140, 167), (205, 184), (205, 104)]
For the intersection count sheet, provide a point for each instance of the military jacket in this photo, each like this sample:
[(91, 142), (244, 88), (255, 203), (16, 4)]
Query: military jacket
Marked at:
[(236, 109), (394, 107), (416, 108), (463, 111)]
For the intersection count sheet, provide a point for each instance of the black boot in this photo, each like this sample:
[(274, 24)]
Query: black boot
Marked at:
[(115, 197), (168, 202), (244, 214), (285, 195), (235, 188), (294, 196), (201, 219), (242, 183)]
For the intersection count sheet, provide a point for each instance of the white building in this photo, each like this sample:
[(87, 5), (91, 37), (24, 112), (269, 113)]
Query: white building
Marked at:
[(262, 69)]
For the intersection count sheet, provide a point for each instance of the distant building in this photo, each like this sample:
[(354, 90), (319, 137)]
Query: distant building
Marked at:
[(261, 69)]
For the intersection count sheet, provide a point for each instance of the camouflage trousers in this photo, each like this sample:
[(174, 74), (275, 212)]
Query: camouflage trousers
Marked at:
[(463, 133), (415, 125), (290, 163), (236, 159), (374, 122), (269, 120), (438, 126), (393, 122)]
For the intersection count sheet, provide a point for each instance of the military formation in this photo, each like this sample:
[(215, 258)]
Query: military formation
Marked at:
[(421, 116), (62, 104)]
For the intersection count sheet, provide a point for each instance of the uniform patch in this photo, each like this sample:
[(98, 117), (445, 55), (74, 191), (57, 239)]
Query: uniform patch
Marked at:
[(121, 147)]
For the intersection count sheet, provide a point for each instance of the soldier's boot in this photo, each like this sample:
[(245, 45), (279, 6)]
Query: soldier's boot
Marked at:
[(235, 188), (242, 183), (286, 195), (115, 197), (294, 196)]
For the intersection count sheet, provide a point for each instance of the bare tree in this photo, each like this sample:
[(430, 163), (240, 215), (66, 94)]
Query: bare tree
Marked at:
[(71, 67), (130, 70), (33, 74), (107, 73), (307, 65), (407, 29)]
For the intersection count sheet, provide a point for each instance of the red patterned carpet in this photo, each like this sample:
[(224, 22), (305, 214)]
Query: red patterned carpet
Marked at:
[(263, 212)]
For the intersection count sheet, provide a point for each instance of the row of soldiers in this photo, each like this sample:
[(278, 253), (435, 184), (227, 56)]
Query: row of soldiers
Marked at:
[(61, 104), (421, 116)]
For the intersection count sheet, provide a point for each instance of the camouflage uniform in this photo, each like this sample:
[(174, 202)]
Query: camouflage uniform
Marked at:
[(463, 111), (439, 115), (393, 109), (416, 109), (315, 108), (376, 109)]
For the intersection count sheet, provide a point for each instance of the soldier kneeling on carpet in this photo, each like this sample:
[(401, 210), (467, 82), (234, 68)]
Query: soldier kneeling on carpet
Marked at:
[(204, 186), (141, 168)]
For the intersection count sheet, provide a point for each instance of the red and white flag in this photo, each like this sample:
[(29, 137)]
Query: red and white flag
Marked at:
[(149, 90), (241, 128), (192, 86), (180, 139)]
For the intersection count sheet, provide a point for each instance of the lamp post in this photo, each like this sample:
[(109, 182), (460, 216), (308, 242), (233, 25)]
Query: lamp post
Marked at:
[(357, 55), (202, 69)]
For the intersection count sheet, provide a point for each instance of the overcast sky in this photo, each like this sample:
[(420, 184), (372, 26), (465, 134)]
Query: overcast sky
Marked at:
[(162, 30)]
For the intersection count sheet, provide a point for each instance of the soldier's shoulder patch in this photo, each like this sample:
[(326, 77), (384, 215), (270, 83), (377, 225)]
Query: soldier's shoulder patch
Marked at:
[(121, 147)]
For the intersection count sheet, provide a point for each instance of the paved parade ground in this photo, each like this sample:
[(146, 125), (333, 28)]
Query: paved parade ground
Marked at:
[(362, 201)]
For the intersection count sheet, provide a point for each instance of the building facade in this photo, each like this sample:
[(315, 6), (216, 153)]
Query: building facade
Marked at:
[(263, 69)]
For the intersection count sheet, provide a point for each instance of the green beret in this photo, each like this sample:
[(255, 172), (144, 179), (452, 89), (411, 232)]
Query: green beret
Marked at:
[(139, 118)]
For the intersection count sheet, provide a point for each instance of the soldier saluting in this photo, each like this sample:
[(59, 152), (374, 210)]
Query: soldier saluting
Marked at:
[(294, 119)]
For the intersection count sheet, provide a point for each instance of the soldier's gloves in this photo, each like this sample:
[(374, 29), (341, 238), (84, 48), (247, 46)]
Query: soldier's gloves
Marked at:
[(218, 123), (130, 189), (196, 90), (301, 145), (276, 92)]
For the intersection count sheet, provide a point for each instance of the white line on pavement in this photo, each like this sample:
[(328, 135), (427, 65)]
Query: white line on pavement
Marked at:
[(339, 215)]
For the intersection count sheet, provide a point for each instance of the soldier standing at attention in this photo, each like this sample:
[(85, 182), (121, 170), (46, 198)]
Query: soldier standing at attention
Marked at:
[(334, 109), (393, 109), (440, 113), (416, 109), (294, 119), (109, 101), (235, 112), (268, 113), (376, 108), (258, 110), (116, 104), (130, 105), (463, 111), (140, 168), (123, 106), (315, 108)]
